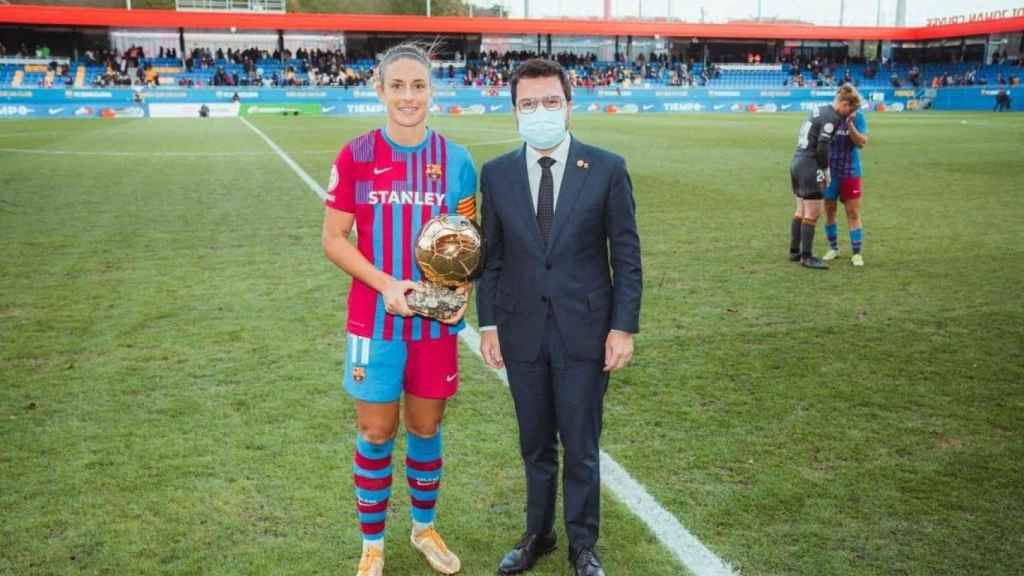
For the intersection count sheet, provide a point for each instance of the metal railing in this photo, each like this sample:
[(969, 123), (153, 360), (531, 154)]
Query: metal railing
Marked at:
[(231, 5)]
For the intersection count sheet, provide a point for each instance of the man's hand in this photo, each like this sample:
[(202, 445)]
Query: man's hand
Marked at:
[(465, 290), (394, 296), (618, 350), (490, 349)]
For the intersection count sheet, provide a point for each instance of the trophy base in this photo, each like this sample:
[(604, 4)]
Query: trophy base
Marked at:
[(436, 302)]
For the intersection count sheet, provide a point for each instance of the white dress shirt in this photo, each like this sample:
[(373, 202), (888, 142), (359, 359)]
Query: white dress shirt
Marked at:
[(534, 171)]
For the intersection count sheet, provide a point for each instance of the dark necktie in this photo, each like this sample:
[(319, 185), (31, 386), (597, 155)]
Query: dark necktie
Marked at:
[(546, 198)]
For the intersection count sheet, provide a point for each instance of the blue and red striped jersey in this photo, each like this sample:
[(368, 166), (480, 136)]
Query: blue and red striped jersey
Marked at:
[(393, 190)]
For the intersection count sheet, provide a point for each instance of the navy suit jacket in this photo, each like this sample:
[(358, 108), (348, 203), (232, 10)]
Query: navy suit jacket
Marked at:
[(589, 274)]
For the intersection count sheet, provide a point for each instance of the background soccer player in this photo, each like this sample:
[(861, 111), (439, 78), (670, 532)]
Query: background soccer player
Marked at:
[(388, 182), (809, 172), (844, 163)]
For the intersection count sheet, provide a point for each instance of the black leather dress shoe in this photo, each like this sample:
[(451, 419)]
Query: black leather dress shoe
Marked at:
[(585, 562), (527, 552)]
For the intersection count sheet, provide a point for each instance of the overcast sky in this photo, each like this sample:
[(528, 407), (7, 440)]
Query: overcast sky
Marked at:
[(823, 12)]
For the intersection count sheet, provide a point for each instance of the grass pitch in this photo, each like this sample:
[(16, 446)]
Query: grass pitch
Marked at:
[(171, 340)]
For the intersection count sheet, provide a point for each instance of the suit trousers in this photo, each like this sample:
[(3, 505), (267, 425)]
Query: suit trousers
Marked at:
[(559, 397)]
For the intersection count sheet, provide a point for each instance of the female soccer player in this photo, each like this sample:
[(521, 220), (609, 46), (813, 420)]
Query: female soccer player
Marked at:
[(388, 182), (844, 161)]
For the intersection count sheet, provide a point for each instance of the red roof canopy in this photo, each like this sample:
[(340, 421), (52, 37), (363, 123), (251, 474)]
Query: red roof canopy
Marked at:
[(120, 18)]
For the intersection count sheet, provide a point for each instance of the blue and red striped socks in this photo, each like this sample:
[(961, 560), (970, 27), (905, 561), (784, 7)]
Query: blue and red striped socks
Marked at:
[(423, 467), (857, 239), (371, 471), (832, 234)]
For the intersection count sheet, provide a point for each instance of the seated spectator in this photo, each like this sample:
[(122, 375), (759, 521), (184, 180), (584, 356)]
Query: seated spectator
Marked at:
[(915, 76)]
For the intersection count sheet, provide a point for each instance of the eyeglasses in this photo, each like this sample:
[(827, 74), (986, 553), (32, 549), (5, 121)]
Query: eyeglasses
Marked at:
[(528, 105)]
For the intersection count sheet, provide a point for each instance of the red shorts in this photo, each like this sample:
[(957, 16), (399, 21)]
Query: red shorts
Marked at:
[(849, 188), (379, 370), (432, 367)]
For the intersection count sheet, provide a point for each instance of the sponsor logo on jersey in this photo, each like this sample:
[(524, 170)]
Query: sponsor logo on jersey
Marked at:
[(374, 197)]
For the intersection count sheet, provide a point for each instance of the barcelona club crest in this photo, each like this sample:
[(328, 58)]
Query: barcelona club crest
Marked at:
[(433, 171), (359, 373)]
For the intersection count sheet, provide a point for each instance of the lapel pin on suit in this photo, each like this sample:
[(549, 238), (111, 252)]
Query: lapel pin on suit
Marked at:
[(582, 164)]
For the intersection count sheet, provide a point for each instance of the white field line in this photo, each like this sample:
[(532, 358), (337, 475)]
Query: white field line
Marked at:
[(687, 549), (46, 152), (31, 133), (313, 184)]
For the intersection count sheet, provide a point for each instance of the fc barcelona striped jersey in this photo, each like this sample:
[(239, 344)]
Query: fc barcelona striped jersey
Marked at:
[(844, 156), (393, 190)]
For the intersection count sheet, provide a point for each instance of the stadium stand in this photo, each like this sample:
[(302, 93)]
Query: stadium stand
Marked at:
[(321, 68)]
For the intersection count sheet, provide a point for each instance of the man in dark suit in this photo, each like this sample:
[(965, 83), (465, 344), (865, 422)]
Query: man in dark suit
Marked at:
[(558, 303)]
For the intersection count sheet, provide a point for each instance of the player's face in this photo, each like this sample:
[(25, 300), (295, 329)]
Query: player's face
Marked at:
[(541, 92), (405, 92)]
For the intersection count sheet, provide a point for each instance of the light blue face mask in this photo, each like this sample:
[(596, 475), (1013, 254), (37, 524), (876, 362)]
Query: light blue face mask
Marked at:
[(543, 129)]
